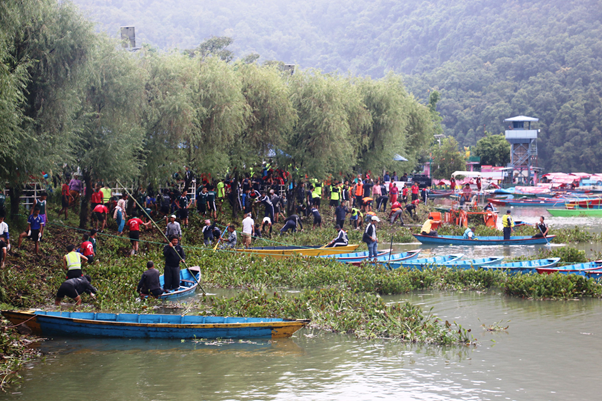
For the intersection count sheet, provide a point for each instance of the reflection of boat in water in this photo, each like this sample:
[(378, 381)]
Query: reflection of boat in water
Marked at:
[(287, 251), (132, 325)]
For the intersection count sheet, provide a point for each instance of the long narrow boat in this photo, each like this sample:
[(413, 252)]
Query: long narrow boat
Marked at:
[(580, 268), (287, 251), (425, 262), (575, 212), (473, 263), (459, 240), (130, 325), (391, 258), (354, 257), (188, 284), (527, 266), (537, 202)]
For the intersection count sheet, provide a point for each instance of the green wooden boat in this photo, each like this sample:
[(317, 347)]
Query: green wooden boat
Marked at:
[(575, 212)]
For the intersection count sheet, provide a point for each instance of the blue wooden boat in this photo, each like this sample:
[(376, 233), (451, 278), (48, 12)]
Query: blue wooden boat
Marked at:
[(132, 325), (459, 240), (425, 262), (525, 267), (188, 284), (354, 257), (473, 263), (395, 257), (581, 269)]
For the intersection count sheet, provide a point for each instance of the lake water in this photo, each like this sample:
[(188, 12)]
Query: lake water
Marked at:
[(551, 350)]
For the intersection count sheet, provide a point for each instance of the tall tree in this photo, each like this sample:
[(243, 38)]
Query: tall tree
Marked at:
[(110, 131), (493, 150), (447, 159), (51, 43)]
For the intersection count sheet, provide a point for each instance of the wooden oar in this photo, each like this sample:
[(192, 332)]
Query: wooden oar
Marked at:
[(165, 236)]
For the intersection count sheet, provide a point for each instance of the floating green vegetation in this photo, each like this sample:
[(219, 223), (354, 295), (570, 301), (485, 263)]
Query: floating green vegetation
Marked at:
[(364, 315), (552, 286)]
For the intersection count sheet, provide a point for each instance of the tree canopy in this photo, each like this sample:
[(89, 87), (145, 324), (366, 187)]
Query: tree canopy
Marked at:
[(488, 60), (72, 96), (494, 150)]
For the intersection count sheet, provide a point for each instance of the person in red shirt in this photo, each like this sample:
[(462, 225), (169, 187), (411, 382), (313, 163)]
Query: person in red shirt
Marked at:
[(415, 191), (393, 193), (99, 214), (65, 199), (404, 194), (87, 249), (96, 197), (134, 227)]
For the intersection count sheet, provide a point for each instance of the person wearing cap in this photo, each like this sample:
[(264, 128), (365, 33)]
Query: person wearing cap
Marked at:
[(173, 228), (248, 230), (340, 240), (507, 224), (469, 234), (369, 236), (427, 228)]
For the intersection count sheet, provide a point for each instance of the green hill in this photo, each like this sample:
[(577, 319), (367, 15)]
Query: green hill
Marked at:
[(489, 59)]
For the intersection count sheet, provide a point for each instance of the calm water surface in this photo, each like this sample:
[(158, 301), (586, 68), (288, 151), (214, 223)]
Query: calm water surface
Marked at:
[(552, 350)]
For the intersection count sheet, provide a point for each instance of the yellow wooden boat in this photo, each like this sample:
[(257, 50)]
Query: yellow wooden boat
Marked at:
[(279, 252)]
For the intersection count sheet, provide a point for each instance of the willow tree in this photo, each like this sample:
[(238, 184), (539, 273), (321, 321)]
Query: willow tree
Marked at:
[(385, 135), (169, 115), (271, 115), (110, 131), (320, 142), (221, 114), (50, 42)]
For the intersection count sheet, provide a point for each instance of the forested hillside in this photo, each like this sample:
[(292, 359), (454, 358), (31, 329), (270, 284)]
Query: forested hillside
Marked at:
[(490, 59)]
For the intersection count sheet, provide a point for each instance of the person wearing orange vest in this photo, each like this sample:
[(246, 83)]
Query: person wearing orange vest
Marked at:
[(396, 213), (367, 204), (359, 192)]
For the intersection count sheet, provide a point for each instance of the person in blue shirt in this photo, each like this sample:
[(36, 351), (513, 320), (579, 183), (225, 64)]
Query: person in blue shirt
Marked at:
[(469, 234), (35, 229)]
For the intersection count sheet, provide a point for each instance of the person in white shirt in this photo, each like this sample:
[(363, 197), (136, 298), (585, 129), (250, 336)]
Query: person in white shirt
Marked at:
[(248, 230)]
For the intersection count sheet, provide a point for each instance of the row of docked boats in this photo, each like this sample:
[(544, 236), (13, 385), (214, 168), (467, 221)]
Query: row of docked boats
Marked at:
[(410, 260)]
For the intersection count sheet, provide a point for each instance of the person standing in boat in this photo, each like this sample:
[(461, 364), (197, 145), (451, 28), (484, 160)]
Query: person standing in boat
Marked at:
[(542, 228), (341, 240), (149, 282), (73, 287), (427, 228), (508, 224), (173, 253)]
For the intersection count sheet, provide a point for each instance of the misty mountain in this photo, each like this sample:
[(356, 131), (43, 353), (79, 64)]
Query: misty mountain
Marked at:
[(489, 59)]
